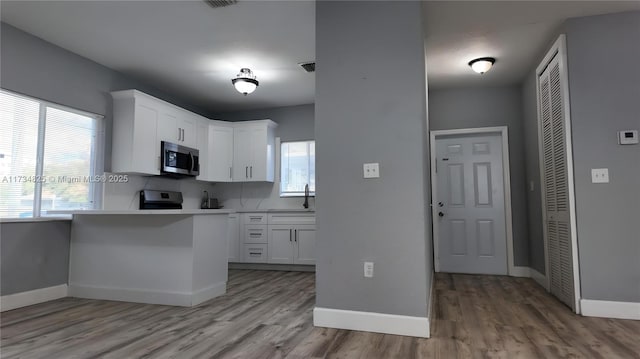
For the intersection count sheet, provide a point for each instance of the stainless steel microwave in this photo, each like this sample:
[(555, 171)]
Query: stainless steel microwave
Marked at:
[(179, 161)]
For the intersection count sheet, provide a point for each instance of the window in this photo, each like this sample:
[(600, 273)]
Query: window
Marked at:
[(47, 157), (297, 168)]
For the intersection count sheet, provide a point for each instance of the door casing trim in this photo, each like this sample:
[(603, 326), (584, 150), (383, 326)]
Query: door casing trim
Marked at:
[(503, 131)]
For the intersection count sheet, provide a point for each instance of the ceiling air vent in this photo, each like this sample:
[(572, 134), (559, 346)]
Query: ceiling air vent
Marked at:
[(219, 3), (308, 66)]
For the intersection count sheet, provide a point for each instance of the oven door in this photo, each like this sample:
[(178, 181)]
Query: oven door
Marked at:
[(179, 160)]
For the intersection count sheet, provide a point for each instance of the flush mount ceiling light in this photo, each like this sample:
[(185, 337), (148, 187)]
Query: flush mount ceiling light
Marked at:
[(482, 64), (245, 82)]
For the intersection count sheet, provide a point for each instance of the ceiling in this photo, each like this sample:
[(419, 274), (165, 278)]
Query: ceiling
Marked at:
[(187, 48), (192, 51), (516, 33)]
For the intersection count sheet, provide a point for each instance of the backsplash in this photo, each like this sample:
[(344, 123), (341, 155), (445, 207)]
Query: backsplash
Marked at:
[(256, 196), (230, 195), (126, 195)]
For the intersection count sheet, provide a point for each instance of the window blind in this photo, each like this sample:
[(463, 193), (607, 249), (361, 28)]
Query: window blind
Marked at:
[(19, 118), (297, 168), (47, 157)]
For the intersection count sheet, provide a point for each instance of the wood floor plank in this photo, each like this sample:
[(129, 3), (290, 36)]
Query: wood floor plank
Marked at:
[(269, 314)]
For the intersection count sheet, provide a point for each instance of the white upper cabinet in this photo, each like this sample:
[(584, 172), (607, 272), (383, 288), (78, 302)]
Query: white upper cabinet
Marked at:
[(221, 152), (215, 142), (177, 126), (134, 146), (187, 124), (253, 151), (229, 152)]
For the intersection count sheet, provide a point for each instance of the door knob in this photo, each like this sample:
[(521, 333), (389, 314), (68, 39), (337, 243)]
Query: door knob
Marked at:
[(440, 214)]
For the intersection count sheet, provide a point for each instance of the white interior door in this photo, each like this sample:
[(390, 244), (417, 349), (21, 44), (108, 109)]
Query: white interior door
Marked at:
[(556, 184), (470, 204)]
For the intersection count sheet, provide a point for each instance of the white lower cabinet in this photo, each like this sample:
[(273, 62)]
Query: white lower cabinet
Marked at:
[(233, 238), (304, 246), (255, 253), (277, 238), (280, 244), (291, 244)]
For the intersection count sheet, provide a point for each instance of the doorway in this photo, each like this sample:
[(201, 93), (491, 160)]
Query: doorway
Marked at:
[(471, 201)]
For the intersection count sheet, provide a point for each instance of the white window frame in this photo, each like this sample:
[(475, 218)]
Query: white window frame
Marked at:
[(279, 156), (95, 187)]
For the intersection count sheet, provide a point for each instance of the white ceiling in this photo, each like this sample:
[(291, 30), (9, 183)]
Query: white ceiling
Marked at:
[(516, 33), (185, 47), (191, 50)]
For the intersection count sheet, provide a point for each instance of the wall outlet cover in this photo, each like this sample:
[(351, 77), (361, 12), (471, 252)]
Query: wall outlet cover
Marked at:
[(599, 175), (628, 137), (371, 170)]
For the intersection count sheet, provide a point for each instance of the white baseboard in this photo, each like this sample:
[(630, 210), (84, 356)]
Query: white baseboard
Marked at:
[(539, 278), (203, 295), (609, 309), (136, 295), (371, 322), (23, 299), (431, 301), (520, 272)]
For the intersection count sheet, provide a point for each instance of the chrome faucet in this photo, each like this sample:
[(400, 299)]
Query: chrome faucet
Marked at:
[(206, 203), (306, 196)]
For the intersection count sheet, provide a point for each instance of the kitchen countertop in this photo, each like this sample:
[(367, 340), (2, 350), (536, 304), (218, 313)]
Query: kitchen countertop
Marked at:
[(276, 210), (145, 211)]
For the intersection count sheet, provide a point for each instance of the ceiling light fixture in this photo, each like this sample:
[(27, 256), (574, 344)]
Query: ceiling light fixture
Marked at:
[(245, 82), (482, 64)]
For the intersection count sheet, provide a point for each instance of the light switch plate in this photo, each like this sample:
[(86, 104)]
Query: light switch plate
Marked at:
[(368, 269), (599, 175), (371, 170)]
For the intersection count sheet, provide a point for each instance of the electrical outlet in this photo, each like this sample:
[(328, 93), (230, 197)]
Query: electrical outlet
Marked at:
[(368, 269), (371, 170), (599, 175)]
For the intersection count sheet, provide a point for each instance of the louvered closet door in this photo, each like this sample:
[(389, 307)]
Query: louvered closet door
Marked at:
[(556, 184)]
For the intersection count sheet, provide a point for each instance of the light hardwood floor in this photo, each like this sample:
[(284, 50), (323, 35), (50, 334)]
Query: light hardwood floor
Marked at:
[(268, 314)]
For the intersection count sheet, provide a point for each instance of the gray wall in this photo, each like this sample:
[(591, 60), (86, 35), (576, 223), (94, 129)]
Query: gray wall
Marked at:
[(534, 199), (295, 123), (34, 67), (486, 107), (33, 256), (371, 107), (604, 84)]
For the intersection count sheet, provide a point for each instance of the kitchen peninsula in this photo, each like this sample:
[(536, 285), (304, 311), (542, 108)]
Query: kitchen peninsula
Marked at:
[(172, 257)]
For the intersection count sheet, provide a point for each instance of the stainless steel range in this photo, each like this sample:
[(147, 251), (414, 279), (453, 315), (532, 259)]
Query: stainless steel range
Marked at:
[(151, 199)]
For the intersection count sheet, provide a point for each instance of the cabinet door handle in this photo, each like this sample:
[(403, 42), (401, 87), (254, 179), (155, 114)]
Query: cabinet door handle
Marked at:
[(251, 171), (290, 235), (296, 235), (179, 133), (230, 173), (246, 172), (183, 135)]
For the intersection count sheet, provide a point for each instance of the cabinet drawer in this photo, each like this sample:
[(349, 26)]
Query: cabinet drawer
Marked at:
[(292, 218), (255, 253), (255, 234), (254, 218)]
